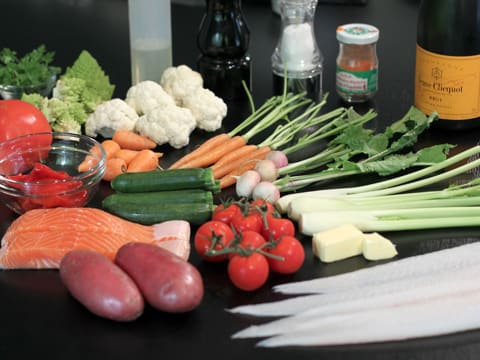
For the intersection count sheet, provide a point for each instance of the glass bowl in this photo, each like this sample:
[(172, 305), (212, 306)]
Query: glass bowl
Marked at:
[(46, 170), (15, 92)]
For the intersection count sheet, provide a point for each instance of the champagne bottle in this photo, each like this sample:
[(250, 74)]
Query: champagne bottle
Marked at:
[(447, 71)]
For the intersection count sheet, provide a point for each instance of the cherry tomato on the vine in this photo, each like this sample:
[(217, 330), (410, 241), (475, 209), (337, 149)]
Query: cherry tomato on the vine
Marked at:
[(248, 272), (292, 252), (263, 206), (251, 221), (250, 240), (275, 227), (209, 232), (225, 213)]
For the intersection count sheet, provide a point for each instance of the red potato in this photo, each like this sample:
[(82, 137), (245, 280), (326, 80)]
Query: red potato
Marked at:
[(167, 282), (101, 286)]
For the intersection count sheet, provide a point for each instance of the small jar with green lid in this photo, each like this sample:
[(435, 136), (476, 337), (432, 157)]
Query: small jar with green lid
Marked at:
[(357, 62)]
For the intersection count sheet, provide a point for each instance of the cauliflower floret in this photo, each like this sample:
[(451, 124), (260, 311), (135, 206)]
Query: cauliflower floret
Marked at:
[(180, 81), (171, 124), (146, 96), (109, 116), (208, 109)]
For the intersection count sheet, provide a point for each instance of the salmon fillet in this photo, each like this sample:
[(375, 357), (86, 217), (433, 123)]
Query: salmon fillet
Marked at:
[(40, 238)]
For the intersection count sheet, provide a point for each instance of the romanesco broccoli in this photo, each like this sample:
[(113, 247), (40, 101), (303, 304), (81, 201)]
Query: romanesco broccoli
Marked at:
[(76, 95)]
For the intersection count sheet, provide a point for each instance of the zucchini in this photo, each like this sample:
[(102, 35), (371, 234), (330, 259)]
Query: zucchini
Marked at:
[(195, 206), (159, 197), (195, 213), (166, 180)]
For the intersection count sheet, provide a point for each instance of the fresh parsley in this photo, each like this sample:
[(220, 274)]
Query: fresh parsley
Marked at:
[(32, 69)]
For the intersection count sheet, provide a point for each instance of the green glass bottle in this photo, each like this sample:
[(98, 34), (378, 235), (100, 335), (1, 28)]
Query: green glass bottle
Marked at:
[(447, 70)]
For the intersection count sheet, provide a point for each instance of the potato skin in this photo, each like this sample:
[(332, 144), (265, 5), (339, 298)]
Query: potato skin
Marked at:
[(101, 286), (167, 282)]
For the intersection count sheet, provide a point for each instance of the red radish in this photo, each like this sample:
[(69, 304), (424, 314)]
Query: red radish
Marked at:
[(278, 157)]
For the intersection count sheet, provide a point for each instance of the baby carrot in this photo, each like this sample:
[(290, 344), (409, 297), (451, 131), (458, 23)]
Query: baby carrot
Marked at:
[(131, 140), (203, 149), (243, 165), (145, 160), (126, 154), (89, 162), (115, 166), (223, 165), (111, 147), (216, 153)]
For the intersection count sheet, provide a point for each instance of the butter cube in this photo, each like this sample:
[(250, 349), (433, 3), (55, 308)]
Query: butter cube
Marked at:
[(338, 243), (377, 247)]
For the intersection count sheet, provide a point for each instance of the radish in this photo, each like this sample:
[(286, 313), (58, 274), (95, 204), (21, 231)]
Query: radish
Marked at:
[(267, 169), (278, 157), (247, 182), (265, 190)]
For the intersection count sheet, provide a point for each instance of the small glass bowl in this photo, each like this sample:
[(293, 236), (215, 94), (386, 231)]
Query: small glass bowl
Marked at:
[(61, 152), (15, 92)]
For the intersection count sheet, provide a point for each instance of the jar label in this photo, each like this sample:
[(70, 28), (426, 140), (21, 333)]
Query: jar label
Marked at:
[(449, 85), (357, 82)]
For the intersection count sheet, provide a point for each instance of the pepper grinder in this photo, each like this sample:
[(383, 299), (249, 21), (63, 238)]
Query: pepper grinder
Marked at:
[(297, 58), (223, 41)]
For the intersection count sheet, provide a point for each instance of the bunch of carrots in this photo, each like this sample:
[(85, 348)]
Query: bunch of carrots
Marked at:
[(127, 151), (230, 154)]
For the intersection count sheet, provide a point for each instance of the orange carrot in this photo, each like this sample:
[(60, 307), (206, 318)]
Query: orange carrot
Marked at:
[(203, 149), (216, 153), (126, 154), (243, 165), (111, 147), (89, 162), (115, 166), (223, 165), (133, 141), (145, 160)]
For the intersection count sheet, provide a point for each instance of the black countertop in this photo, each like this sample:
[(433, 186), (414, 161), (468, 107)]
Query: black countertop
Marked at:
[(38, 317)]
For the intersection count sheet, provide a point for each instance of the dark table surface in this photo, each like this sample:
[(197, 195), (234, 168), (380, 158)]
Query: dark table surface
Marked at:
[(38, 318)]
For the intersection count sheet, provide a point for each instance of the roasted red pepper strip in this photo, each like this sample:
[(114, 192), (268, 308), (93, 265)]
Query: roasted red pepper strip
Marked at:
[(35, 186)]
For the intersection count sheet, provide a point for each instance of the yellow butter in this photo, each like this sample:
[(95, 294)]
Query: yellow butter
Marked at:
[(377, 247), (338, 243)]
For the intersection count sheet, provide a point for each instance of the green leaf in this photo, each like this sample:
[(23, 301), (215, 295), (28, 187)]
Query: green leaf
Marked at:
[(32, 69), (390, 165), (434, 154)]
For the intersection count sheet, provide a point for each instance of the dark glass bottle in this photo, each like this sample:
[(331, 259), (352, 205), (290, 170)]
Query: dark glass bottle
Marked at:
[(447, 72), (223, 41)]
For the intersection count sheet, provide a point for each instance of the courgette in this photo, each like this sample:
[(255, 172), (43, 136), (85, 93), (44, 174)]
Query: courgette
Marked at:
[(166, 180), (195, 213), (120, 199)]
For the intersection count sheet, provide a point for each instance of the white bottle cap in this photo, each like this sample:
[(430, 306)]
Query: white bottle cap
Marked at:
[(358, 34)]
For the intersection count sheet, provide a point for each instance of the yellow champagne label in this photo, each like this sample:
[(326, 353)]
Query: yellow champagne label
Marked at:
[(449, 85)]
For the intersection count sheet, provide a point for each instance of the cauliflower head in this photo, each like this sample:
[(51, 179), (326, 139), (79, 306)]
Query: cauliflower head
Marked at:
[(111, 115), (208, 109), (171, 124), (180, 81), (146, 96)]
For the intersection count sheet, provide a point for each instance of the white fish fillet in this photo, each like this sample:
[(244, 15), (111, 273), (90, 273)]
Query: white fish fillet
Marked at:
[(446, 315), (299, 304), (304, 320), (430, 263), (422, 296)]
